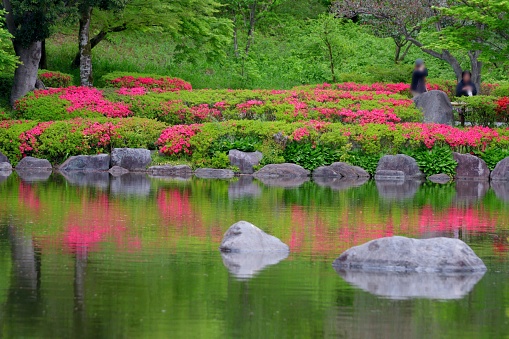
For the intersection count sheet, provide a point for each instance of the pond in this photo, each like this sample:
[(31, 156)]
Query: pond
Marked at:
[(93, 256)]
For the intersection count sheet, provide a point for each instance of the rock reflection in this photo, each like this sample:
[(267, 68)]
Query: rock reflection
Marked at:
[(130, 184), (4, 175), (469, 191), (99, 180), (413, 285), (339, 183), (284, 182), (397, 189), (244, 187), (501, 189), (245, 266), (34, 176)]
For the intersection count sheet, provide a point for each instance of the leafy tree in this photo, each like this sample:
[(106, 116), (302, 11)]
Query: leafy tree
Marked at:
[(406, 19), (29, 22), (7, 58)]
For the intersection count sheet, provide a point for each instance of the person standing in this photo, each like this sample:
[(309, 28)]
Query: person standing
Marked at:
[(466, 88), (419, 75)]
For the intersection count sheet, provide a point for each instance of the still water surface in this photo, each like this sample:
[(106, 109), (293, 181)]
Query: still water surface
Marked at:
[(92, 256)]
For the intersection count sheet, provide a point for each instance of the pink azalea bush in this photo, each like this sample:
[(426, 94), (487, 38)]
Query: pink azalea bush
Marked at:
[(158, 84), (55, 79), (176, 139)]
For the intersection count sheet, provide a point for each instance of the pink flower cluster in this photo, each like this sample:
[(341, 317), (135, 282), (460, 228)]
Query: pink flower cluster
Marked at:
[(162, 84), (176, 139), (378, 116), (29, 138), (101, 134), (244, 107), (92, 99), (376, 87), (300, 133), (135, 91)]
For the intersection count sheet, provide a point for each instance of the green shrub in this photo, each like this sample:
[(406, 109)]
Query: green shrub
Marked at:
[(310, 156), (10, 131), (481, 110), (369, 162), (48, 108), (492, 155), (501, 91), (437, 160), (52, 79)]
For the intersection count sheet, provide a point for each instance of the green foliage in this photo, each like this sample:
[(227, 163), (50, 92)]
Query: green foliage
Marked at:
[(9, 139), (481, 110), (501, 91), (55, 79), (48, 108), (492, 155), (437, 160), (310, 156), (7, 58), (227, 143)]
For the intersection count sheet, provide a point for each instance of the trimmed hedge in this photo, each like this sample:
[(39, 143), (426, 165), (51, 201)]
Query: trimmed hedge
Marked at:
[(53, 79)]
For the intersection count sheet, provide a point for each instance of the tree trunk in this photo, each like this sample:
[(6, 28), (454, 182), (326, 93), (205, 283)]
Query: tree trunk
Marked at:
[(397, 53), (476, 68), (331, 60), (252, 23), (97, 39), (85, 47), (25, 76), (235, 37), (43, 63)]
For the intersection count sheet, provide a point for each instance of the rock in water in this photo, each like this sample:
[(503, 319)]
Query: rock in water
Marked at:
[(33, 164), (244, 237), (213, 173), (3, 158), (132, 159), (397, 165), (470, 167), (100, 162), (501, 171), (244, 160), (5, 166), (436, 107), (282, 171), (246, 265), (340, 170), (400, 254)]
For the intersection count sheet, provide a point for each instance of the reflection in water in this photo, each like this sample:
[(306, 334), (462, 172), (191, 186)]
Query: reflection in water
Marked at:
[(468, 191), (339, 183), (4, 175), (501, 189), (413, 285), (100, 180), (130, 184), (247, 265), (284, 182), (244, 187), (397, 189), (34, 176)]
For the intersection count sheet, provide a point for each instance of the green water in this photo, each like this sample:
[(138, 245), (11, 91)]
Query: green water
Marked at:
[(134, 257)]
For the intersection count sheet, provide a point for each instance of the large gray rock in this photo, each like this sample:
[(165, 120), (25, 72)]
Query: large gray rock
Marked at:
[(182, 171), (501, 171), (436, 107), (400, 254), (5, 166), (97, 163), (132, 159), (390, 175), (413, 285), (3, 158), (340, 170), (339, 184), (4, 175), (283, 182), (244, 237), (245, 160), (399, 162), (470, 167), (33, 164), (246, 265), (282, 171), (117, 171), (212, 173)]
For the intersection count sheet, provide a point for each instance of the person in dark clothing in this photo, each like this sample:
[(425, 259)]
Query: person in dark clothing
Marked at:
[(419, 75), (466, 88)]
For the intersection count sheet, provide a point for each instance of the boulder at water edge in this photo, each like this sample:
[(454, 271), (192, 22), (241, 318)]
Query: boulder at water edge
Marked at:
[(501, 171), (245, 161), (436, 107), (439, 178), (33, 164), (183, 171), (95, 163), (5, 166), (117, 171), (400, 254), (282, 171), (212, 173), (245, 237), (398, 166), (470, 167), (132, 159), (3, 158), (340, 170)]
